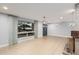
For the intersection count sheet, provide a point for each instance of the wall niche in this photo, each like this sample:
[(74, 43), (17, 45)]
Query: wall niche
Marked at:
[(25, 29)]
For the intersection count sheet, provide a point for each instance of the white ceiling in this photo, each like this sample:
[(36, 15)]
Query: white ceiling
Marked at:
[(52, 11)]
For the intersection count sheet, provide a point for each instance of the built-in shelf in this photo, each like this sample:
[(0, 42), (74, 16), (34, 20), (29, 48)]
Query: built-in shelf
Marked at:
[(25, 34), (25, 31)]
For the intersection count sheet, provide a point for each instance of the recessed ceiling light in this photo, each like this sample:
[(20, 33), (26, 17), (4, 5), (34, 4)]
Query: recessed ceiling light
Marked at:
[(5, 8), (61, 17)]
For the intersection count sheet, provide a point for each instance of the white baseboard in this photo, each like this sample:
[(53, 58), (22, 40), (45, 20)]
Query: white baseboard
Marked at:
[(25, 39), (60, 36), (4, 45)]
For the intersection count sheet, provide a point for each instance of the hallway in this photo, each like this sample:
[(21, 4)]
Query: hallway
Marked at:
[(46, 45)]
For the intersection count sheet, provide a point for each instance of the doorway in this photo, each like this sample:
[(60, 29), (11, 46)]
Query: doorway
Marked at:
[(44, 29)]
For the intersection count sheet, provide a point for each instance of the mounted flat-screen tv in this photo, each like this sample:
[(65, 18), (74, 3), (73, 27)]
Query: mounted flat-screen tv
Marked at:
[(25, 26)]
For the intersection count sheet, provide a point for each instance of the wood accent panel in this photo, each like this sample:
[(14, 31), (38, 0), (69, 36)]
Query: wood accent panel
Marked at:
[(74, 34), (70, 45)]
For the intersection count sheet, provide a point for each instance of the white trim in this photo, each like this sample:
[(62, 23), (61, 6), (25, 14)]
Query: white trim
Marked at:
[(4, 45), (25, 39), (61, 36)]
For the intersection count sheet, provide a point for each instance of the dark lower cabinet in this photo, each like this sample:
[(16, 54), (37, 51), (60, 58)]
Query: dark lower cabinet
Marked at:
[(75, 35)]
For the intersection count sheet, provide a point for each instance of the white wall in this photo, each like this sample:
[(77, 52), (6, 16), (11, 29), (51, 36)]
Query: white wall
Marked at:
[(38, 29), (61, 29), (12, 29), (7, 30), (4, 29), (76, 27)]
